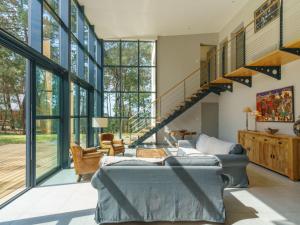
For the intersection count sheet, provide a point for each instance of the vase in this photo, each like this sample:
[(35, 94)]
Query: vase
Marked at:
[(297, 127)]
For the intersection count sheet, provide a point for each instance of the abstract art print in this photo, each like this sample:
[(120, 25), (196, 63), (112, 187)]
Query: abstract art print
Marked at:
[(276, 105)]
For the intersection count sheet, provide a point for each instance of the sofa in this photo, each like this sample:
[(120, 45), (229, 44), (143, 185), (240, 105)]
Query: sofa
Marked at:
[(175, 189), (232, 157)]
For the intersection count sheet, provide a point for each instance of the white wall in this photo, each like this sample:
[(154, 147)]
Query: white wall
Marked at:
[(231, 116), (177, 56)]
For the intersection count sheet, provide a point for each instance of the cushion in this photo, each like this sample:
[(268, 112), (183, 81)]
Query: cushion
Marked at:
[(188, 152), (192, 161), (237, 149), (201, 143), (216, 146)]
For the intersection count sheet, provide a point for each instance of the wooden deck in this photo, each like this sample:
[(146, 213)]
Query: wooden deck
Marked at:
[(13, 166)]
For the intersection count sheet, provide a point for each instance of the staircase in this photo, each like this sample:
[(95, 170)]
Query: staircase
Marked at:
[(183, 96)]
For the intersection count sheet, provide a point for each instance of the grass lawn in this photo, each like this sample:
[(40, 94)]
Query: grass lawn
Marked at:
[(21, 139)]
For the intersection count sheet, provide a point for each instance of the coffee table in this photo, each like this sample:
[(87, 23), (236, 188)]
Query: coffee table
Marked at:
[(151, 153)]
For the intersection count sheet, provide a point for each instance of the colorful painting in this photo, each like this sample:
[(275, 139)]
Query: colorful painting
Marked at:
[(276, 105)]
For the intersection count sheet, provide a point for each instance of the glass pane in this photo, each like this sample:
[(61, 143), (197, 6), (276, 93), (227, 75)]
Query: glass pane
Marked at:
[(129, 79), (147, 105), (51, 41), (83, 102), (129, 53), (112, 79), (113, 127), (47, 93), (129, 104), (111, 53), (54, 4), (74, 16), (111, 104), (86, 67), (74, 56), (14, 18), (12, 124), (86, 35), (74, 95), (125, 131), (47, 145), (147, 79), (83, 132), (74, 127), (147, 54)]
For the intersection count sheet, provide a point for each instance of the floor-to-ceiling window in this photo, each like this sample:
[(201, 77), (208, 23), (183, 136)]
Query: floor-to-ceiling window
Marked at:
[(129, 83), (39, 69)]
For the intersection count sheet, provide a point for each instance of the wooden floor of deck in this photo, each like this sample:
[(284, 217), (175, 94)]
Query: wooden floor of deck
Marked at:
[(13, 166)]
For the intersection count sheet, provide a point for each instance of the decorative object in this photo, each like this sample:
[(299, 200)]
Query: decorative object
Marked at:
[(247, 110), (266, 13), (278, 153), (297, 127), (276, 105), (272, 131), (255, 114)]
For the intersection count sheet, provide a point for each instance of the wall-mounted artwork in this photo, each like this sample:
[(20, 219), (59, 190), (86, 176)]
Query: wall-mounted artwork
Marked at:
[(276, 105), (266, 13)]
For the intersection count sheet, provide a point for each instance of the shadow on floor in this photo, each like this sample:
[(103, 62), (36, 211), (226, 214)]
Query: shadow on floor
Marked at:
[(58, 219)]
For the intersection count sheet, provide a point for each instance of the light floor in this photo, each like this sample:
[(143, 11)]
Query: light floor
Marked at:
[(271, 199)]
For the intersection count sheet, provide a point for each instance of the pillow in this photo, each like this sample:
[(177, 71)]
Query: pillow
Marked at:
[(216, 146), (192, 161), (135, 163), (201, 143), (237, 149), (188, 152)]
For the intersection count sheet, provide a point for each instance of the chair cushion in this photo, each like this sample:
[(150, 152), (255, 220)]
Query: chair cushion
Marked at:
[(201, 143)]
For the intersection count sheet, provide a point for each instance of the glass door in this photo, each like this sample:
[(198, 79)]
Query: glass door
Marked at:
[(48, 123)]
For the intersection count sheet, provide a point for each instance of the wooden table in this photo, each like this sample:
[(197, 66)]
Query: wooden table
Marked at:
[(150, 153), (182, 133)]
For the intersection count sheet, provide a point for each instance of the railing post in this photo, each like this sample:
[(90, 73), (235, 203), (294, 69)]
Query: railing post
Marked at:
[(184, 90)]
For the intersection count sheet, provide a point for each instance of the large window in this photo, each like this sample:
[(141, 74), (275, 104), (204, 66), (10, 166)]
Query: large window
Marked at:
[(48, 122), (79, 115), (129, 83), (12, 124)]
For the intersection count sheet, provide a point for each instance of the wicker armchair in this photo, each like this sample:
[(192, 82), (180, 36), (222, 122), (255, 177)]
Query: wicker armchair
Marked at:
[(115, 146), (86, 161)]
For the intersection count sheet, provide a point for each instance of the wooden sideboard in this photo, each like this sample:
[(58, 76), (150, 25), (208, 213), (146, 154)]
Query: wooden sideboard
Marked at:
[(280, 153)]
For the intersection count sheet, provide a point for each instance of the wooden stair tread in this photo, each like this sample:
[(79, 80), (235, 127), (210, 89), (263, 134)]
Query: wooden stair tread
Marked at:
[(241, 72), (275, 58), (294, 44), (221, 80)]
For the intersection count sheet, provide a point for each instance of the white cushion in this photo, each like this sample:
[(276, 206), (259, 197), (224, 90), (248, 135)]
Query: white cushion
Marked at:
[(188, 152), (216, 146), (201, 144)]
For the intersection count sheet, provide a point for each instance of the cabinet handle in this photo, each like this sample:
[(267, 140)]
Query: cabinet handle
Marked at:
[(266, 139), (280, 143), (249, 149), (253, 138)]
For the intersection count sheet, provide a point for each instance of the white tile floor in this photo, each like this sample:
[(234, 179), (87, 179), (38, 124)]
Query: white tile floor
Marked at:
[(271, 200)]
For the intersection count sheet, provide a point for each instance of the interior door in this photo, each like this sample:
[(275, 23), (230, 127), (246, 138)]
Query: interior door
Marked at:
[(210, 119)]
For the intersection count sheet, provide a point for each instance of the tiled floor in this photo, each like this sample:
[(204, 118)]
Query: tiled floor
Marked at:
[(271, 200)]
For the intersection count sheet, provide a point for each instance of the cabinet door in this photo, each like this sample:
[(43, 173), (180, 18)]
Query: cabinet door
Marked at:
[(265, 152), (281, 156), (251, 147)]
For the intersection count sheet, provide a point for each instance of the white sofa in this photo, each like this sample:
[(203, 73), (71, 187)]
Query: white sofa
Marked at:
[(232, 156)]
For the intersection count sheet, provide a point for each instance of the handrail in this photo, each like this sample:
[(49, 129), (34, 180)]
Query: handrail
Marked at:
[(170, 89)]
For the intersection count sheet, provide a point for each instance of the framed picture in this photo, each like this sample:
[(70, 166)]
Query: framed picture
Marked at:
[(276, 105), (266, 13)]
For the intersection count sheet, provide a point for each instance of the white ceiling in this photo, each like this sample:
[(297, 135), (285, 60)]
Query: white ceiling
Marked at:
[(117, 19)]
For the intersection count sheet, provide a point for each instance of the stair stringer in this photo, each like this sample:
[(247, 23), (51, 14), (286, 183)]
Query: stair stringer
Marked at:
[(172, 117)]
